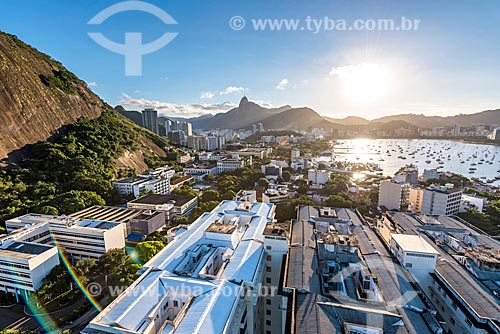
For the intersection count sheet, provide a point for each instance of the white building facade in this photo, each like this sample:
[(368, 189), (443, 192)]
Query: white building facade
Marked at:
[(219, 276)]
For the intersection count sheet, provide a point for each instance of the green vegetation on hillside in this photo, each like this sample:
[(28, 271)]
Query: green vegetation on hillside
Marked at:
[(62, 79), (73, 172), (489, 220)]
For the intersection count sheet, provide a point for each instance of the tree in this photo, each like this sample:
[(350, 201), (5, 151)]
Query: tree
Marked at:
[(85, 270), (181, 221), (263, 182), (76, 200), (287, 211), (111, 260), (147, 249), (493, 210), (49, 210), (338, 183), (210, 195), (286, 176), (185, 190), (228, 195), (338, 201), (156, 236)]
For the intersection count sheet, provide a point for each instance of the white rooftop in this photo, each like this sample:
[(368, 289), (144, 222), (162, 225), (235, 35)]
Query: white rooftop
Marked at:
[(413, 243), (207, 304)]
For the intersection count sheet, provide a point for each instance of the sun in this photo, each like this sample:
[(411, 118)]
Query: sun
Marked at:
[(363, 83)]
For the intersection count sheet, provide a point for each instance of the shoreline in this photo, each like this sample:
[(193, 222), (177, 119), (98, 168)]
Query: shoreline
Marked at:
[(461, 140)]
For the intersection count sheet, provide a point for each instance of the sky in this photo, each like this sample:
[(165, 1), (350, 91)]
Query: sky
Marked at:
[(448, 65)]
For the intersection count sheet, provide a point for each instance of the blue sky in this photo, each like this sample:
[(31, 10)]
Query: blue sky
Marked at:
[(449, 65)]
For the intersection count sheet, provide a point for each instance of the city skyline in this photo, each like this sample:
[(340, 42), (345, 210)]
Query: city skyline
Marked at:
[(366, 73)]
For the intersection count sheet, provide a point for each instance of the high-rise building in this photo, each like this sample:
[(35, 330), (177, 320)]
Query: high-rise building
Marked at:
[(393, 195), (168, 126), (187, 128), (178, 137), (495, 134), (456, 130), (176, 125), (212, 143), (197, 142), (150, 119), (261, 127)]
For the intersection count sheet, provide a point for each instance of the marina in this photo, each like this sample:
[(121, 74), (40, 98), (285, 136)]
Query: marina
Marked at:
[(471, 160)]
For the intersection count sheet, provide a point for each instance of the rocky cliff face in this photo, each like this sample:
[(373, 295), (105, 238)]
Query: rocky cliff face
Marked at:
[(38, 96)]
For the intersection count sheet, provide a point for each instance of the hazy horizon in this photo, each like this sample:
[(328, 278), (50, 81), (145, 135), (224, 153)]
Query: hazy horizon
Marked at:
[(140, 106)]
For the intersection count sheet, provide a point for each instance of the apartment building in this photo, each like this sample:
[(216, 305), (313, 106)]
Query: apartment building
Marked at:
[(441, 200), (219, 276), (156, 181), (316, 176), (415, 196), (393, 195)]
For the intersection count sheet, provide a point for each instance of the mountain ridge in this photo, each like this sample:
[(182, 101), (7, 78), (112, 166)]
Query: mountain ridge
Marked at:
[(38, 96), (41, 100), (293, 118)]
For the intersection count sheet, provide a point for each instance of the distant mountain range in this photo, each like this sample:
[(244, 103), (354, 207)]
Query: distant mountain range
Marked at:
[(286, 117)]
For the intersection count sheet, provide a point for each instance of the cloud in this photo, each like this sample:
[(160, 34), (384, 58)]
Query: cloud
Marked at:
[(232, 90), (282, 84), (207, 95), (265, 104), (92, 84), (173, 109)]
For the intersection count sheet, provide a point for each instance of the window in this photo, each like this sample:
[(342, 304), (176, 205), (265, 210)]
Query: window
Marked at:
[(176, 303), (268, 312), (268, 279), (268, 269), (268, 258), (409, 265), (268, 322), (268, 301), (269, 247)]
